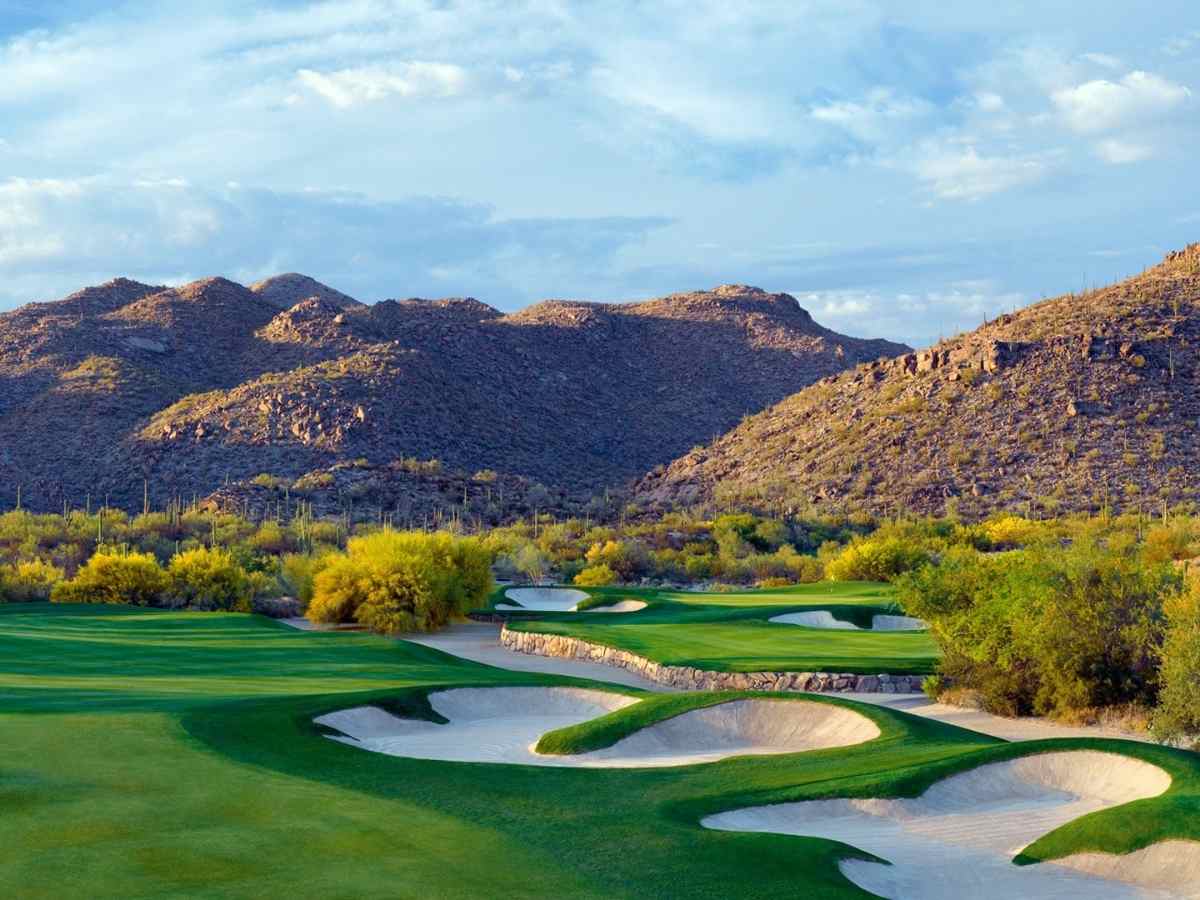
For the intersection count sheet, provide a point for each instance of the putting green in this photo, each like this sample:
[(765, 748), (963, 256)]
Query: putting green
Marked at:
[(158, 754), (731, 632)]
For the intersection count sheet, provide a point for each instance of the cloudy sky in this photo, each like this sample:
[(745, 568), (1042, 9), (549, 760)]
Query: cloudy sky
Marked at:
[(902, 168)]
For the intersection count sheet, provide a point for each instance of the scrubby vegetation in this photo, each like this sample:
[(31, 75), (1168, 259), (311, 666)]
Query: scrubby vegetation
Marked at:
[(1178, 714), (395, 582), (1070, 617)]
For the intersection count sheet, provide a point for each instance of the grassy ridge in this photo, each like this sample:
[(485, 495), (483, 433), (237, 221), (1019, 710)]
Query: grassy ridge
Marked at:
[(730, 632), (156, 754)]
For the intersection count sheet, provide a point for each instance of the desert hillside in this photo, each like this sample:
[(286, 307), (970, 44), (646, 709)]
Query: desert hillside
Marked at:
[(192, 388), (1075, 403)]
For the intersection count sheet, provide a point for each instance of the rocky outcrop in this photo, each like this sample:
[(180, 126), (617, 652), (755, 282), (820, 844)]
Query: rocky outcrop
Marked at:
[(691, 679)]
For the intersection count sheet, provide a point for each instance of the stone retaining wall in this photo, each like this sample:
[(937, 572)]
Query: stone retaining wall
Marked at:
[(690, 679)]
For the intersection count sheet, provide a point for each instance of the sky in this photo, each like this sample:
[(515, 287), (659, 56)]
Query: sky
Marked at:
[(903, 168)]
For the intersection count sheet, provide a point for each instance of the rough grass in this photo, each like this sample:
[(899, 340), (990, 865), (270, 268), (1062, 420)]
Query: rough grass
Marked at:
[(730, 632), (155, 754)]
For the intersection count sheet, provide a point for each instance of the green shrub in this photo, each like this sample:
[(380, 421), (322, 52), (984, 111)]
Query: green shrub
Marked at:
[(1178, 714), (531, 562), (209, 579), (296, 573), (596, 576), (135, 579), (1052, 630), (932, 686)]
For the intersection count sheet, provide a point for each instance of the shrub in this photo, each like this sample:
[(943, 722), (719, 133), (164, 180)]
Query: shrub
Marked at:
[(209, 579), (596, 576), (394, 581), (875, 559), (764, 583), (111, 577), (629, 559), (296, 574), (29, 580), (270, 538), (1050, 631), (531, 562), (932, 686), (1014, 531), (1178, 714), (337, 592)]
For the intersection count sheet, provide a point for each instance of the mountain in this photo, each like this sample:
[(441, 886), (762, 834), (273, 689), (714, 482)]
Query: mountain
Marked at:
[(1082, 402), (196, 387), (285, 291)]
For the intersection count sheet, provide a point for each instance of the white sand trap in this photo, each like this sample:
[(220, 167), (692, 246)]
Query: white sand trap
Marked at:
[(503, 725), (1170, 866), (543, 599), (823, 618), (623, 607), (561, 600), (958, 838)]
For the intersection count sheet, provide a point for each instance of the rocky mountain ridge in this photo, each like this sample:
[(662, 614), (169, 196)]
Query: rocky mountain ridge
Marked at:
[(184, 389)]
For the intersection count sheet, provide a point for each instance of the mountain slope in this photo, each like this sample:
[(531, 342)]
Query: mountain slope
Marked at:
[(195, 387), (285, 291), (1075, 403)]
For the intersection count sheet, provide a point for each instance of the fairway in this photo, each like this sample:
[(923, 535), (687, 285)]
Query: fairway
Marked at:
[(730, 632), (169, 754)]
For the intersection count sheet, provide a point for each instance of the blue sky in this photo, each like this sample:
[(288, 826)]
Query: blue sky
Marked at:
[(903, 168)]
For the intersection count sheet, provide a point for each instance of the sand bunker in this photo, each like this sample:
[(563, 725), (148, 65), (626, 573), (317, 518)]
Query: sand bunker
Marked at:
[(502, 725), (623, 607), (561, 600), (959, 837), (1172, 867), (823, 618), (543, 599)]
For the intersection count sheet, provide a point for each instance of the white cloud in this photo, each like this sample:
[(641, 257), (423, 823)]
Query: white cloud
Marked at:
[(1118, 152), (1180, 44), (1101, 105), (365, 84), (963, 173), (989, 101), (57, 235), (872, 116), (924, 316), (1103, 60)]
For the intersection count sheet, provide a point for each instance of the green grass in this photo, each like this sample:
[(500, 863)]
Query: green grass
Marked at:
[(730, 632), (155, 754)]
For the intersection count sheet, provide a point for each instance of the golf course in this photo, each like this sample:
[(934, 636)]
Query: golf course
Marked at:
[(734, 631), (176, 754)]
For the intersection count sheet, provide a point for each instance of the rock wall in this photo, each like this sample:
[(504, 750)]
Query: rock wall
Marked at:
[(690, 679)]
